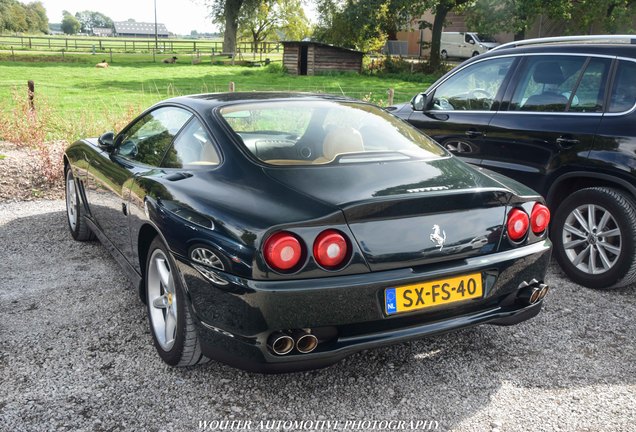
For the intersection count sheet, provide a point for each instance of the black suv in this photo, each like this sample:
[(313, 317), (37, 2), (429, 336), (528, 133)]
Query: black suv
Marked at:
[(558, 115)]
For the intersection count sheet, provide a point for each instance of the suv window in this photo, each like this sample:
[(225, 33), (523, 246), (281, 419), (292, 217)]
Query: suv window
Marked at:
[(473, 88), (624, 89), (559, 84), (147, 140)]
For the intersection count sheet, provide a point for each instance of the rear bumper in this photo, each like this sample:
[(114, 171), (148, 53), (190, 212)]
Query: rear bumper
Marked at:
[(236, 319)]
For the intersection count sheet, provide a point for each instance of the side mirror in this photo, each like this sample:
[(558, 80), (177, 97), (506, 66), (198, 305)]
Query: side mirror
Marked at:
[(472, 42), (418, 103), (107, 141)]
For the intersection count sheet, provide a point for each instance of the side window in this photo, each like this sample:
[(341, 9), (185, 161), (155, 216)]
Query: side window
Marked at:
[(147, 140), (473, 88), (546, 83), (623, 96), (590, 93), (193, 147), (468, 38)]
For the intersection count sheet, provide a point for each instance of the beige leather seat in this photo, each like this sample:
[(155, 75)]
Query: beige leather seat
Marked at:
[(340, 141)]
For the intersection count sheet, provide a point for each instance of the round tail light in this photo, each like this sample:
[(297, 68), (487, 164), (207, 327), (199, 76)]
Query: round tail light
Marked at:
[(539, 219), (518, 223), (330, 249), (282, 251)]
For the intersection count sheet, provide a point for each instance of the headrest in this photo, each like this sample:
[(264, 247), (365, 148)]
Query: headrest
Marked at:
[(342, 140), (548, 72)]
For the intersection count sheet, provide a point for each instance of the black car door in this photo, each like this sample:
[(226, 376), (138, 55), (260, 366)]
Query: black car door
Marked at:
[(549, 117), (458, 110), (140, 147)]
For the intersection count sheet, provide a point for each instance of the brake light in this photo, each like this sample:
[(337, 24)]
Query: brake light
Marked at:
[(518, 223), (540, 218), (330, 249), (282, 251)]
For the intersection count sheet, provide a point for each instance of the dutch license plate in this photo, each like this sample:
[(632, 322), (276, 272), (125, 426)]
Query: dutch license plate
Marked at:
[(408, 298)]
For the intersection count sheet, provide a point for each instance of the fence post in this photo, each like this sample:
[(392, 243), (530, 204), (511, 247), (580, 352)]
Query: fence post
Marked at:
[(389, 100), (154, 52), (231, 87), (31, 94), (12, 54), (111, 55)]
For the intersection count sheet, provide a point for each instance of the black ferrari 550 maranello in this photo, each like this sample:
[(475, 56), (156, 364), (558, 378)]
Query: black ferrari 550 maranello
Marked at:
[(280, 232)]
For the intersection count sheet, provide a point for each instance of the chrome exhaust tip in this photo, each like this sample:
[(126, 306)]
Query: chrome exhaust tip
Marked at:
[(530, 293), (535, 296), (543, 291), (280, 343), (305, 341)]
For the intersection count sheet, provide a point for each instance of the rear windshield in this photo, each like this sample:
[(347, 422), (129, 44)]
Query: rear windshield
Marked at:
[(325, 132)]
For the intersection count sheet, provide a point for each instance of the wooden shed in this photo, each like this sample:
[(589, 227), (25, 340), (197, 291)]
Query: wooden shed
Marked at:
[(311, 58)]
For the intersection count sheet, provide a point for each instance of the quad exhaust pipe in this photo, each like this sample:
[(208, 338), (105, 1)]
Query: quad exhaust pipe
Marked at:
[(532, 292), (281, 343)]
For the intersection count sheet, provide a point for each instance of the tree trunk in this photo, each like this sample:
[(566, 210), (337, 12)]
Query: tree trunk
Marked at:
[(232, 8), (436, 42)]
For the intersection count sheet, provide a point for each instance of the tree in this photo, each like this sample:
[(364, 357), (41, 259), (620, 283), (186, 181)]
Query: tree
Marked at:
[(607, 16), (257, 20), (362, 24), (226, 13), (294, 23), (19, 17), (70, 24), (91, 19), (516, 16), (261, 20), (577, 16), (440, 8)]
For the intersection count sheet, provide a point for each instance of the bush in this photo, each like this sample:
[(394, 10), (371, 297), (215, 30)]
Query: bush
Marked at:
[(48, 135), (275, 68)]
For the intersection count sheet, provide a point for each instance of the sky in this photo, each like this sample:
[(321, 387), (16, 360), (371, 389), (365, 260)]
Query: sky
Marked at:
[(180, 16)]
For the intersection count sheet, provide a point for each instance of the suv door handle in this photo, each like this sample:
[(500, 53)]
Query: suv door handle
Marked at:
[(567, 142), (472, 133)]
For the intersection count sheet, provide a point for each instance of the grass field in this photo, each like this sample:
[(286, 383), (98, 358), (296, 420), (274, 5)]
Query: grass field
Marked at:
[(76, 92)]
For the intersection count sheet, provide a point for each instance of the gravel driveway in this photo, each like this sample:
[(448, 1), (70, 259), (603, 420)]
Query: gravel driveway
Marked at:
[(76, 354)]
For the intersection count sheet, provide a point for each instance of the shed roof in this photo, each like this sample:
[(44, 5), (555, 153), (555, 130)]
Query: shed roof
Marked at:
[(321, 44), (130, 27)]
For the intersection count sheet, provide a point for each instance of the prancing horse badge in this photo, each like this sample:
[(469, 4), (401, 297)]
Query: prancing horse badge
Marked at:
[(438, 236)]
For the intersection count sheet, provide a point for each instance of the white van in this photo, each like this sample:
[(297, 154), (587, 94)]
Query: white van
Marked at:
[(465, 44)]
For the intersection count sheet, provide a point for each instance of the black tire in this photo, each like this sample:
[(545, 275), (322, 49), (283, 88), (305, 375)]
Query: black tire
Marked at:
[(186, 348), (617, 260), (475, 53), (75, 211), (444, 55)]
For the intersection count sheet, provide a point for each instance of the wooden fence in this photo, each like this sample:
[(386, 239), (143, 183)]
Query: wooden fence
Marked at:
[(130, 45)]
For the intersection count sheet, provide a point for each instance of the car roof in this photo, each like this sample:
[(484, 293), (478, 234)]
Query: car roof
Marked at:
[(212, 100), (620, 50)]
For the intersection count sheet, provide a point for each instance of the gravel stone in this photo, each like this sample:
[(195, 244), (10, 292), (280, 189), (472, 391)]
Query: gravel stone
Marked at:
[(76, 354)]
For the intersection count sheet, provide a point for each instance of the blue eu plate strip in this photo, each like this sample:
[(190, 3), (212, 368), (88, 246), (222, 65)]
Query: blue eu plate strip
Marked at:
[(390, 301)]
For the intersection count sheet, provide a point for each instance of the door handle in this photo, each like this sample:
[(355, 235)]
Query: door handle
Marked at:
[(472, 133), (567, 142)]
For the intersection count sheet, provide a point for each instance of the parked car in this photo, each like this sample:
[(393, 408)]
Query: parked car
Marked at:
[(279, 232), (465, 44), (559, 116)]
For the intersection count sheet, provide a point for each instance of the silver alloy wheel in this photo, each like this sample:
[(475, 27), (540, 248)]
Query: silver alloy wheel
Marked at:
[(592, 239), (71, 201), (162, 297), (207, 257)]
